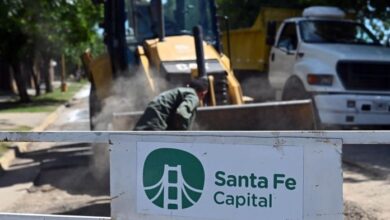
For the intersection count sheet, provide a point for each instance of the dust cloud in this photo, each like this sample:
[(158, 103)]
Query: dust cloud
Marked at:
[(258, 88), (129, 94)]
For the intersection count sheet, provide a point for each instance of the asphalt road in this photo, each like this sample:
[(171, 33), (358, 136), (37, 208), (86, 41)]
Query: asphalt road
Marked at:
[(375, 158), (56, 176)]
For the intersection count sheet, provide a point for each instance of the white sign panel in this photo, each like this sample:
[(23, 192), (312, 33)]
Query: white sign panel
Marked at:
[(234, 181), (202, 176)]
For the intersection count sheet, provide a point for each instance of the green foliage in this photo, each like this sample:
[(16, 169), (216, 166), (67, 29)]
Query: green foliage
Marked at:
[(379, 5), (22, 128), (10, 31), (48, 27)]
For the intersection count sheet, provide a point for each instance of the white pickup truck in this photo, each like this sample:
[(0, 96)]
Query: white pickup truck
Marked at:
[(336, 62)]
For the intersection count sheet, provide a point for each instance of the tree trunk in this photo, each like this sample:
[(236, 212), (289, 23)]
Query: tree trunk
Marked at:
[(6, 79), (63, 73), (47, 75), (20, 82), (34, 74), (13, 81)]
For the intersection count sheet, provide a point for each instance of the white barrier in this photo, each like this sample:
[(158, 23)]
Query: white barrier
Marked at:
[(347, 137), (218, 175)]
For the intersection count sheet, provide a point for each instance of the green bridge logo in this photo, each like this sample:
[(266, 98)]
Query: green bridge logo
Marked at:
[(173, 179)]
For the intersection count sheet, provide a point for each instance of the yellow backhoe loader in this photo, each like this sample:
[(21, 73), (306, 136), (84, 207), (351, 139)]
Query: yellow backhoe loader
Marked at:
[(172, 41)]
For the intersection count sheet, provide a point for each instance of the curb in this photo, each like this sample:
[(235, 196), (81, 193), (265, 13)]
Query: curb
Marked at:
[(6, 159), (9, 155), (46, 122)]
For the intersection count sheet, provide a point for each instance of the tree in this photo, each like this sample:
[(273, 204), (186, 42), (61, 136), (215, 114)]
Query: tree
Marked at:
[(13, 41), (37, 31), (66, 27)]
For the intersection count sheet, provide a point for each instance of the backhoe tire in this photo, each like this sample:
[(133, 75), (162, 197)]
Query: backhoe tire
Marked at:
[(294, 90)]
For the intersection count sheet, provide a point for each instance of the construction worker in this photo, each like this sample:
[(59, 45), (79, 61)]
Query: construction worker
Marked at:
[(174, 109)]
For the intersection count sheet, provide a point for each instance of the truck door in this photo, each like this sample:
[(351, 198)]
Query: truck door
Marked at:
[(282, 56)]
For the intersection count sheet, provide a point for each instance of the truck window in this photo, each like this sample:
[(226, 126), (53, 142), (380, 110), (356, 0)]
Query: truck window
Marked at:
[(180, 16), (288, 39), (344, 32)]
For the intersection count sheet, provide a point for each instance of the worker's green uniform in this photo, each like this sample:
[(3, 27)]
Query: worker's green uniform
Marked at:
[(172, 110)]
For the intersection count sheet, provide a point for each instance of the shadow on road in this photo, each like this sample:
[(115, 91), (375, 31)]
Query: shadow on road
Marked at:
[(64, 167), (90, 210), (372, 161)]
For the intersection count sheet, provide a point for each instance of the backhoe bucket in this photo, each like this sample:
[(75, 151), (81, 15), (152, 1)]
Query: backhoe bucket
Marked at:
[(289, 115)]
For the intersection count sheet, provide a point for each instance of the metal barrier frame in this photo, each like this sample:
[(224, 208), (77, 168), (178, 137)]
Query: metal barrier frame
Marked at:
[(347, 137), (14, 216)]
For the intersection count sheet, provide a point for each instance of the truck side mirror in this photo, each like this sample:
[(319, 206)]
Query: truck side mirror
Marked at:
[(290, 48), (271, 33)]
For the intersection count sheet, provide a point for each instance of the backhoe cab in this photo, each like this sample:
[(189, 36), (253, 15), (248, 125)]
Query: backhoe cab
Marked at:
[(165, 31), (155, 38), (161, 38)]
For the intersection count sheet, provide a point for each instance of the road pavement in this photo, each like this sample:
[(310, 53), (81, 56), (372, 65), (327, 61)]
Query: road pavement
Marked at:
[(55, 176)]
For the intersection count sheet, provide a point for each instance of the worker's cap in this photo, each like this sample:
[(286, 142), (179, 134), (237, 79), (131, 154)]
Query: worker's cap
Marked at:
[(199, 85)]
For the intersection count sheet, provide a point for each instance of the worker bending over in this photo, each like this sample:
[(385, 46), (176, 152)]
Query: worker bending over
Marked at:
[(174, 109)]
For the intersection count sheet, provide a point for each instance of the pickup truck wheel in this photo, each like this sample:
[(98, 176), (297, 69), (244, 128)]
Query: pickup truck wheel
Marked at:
[(295, 90)]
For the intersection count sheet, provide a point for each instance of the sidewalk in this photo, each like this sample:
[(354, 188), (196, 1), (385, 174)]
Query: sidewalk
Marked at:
[(21, 121), (29, 122)]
